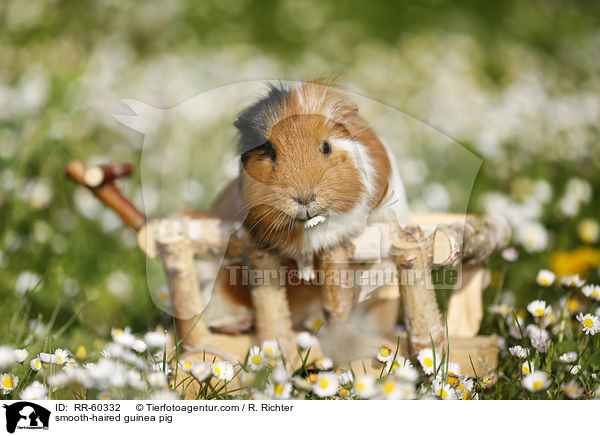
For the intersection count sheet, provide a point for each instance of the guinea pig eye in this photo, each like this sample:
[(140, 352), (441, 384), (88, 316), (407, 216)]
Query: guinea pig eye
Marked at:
[(267, 150), (326, 148)]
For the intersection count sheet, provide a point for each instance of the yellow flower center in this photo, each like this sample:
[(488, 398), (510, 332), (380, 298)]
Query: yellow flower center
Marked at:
[(119, 332), (460, 387), (37, 364), (324, 383), (544, 281), (526, 369), (187, 365), (217, 370), (269, 351), (388, 387), (343, 392), (257, 359), (573, 305), (442, 393), (595, 294), (588, 322), (428, 362), (317, 323), (58, 359), (452, 379), (7, 382), (163, 296), (539, 312), (81, 352), (395, 366), (466, 395), (384, 351), (360, 386), (104, 397), (312, 378), (278, 389), (537, 385)]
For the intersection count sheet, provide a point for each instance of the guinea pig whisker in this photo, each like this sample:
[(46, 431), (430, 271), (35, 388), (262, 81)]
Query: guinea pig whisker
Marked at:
[(270, 211)]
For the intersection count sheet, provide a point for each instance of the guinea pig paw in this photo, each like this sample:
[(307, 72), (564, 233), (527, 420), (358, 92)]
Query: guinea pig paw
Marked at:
[(314, 221)]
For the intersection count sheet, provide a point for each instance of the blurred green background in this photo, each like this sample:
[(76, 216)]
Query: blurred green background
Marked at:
[(514, 82)]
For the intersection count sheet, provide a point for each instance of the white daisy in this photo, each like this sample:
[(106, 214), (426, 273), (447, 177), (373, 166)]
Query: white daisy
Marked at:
[(7, 357), (539, 308), (510, 254), (545, 277), (186, 365), (499, 309), (391, 366), (35, 391), (201, 371), (139, 346), (155, 340), (223, 370), (536, 381), (406, 391), (256, 358), (21, 355), (569, 357), (8, 382), (527, 367), (590, 323), (575, 369), (47, 357), (592, 291), (384, 354), (407, 373), (306, 340), (326, 384), (443, 390), (426, 359), (324, 364), (271, 349), (313, 323), (123, 336), (519, 351), (279, 391), (157, 379), (389, 389), (364, 386), (572, 390), (247, 378), (36, 364), (573, 281), (279, 374), (60, 356), (345, 377), (164, 395)]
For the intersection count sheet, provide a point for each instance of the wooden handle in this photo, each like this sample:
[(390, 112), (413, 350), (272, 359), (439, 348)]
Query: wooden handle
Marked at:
[(108, 193)]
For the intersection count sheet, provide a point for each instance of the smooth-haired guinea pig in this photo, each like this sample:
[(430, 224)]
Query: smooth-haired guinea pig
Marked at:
[(313, 173)]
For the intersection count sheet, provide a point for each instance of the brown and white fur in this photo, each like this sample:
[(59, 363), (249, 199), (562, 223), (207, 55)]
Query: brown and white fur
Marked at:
[(290, 174), (305, 153)]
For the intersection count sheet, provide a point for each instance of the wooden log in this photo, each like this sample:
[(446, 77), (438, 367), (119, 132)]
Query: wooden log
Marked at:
[(337, 293), (465, 308), (178, 259), (412, 248), (269, 299)]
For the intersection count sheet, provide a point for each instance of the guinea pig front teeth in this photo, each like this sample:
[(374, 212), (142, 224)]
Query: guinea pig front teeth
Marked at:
[(316, 220)]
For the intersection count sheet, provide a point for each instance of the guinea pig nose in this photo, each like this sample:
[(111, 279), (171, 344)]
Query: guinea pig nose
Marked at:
[(305, 200)]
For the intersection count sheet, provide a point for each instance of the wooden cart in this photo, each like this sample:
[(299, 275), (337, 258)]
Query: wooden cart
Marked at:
[(429, 241)]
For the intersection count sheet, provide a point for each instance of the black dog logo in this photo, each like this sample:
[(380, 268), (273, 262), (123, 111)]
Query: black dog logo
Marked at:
[(26, 415)]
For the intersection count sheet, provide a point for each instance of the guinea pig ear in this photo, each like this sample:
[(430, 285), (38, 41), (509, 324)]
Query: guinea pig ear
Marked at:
[(348, 108)]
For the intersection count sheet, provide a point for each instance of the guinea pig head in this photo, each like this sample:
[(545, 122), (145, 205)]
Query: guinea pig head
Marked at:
[(298, 167)]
